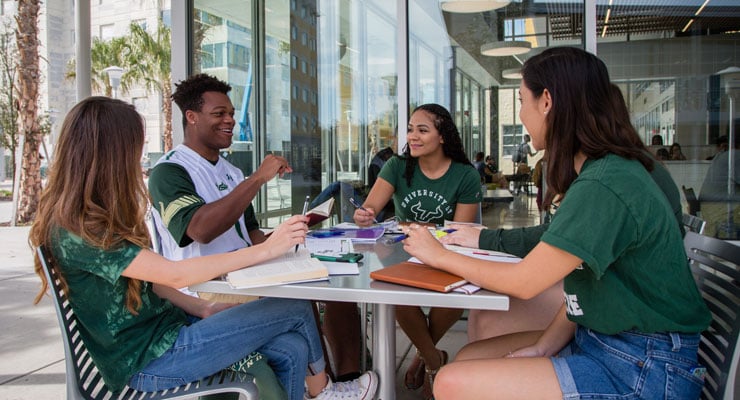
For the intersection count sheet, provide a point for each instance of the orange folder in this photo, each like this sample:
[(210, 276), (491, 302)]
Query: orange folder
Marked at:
[(418, 275)]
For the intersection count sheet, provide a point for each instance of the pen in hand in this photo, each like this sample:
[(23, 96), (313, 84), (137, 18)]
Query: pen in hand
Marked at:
[(393, 240), (358, 206), (305, 209)]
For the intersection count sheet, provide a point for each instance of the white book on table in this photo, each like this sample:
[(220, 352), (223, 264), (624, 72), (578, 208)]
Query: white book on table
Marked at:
[(291, 267)]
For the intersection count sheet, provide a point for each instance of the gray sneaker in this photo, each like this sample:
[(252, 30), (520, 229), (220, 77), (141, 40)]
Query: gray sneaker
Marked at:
[(362, 388)]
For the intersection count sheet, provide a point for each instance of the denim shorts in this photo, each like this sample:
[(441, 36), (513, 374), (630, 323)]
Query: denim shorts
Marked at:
[(630, 365)]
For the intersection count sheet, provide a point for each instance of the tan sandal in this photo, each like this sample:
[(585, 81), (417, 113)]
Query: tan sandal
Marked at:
[(431, 374), (414, 378)]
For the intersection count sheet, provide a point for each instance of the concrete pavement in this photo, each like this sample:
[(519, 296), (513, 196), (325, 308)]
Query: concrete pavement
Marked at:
[(31, 352)]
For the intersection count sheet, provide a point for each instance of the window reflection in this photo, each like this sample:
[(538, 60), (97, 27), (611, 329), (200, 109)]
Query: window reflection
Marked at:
[(330, 83)]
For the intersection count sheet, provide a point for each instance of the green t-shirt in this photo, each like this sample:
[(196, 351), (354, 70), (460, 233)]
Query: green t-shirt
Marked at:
[(521, 241), (171, 183), (635, 274), (431, 200), (119, 342)]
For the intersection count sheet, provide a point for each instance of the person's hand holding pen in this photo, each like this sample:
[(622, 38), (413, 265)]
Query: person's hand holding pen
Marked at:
[(439, 234), (363, 216), (305, 209), (466, 236), (420, 243), (290, 233)]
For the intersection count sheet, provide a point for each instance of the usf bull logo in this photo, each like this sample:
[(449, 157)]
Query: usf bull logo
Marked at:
[(421, 214)]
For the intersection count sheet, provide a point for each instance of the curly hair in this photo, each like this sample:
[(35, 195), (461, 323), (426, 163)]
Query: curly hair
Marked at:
[(452, 146), (188, 94), (588, 113), (95, 188)]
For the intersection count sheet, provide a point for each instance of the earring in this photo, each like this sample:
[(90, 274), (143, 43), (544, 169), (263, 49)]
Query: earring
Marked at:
[(545, 112)]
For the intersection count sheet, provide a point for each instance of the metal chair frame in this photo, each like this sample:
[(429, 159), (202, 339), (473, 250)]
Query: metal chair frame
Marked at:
[(693, 223), (84, 380), (715, 264)]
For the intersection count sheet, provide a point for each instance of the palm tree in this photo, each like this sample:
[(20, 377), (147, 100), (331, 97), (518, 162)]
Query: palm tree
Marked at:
[(148, 62), (29, 127), (103, 54), (8, 95)]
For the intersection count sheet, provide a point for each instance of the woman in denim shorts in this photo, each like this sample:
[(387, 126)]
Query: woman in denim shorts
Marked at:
[(631, 318)]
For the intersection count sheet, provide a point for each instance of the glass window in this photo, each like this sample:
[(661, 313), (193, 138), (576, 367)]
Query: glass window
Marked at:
[(447, 66), (140, 22), (337, 80), (673, 69), (106, 32)]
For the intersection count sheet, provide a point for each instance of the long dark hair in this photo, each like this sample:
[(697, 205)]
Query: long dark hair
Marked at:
[(588, 114), (452, 146), (95, 187)]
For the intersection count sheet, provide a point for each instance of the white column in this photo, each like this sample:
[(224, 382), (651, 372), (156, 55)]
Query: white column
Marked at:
[(83, 63)]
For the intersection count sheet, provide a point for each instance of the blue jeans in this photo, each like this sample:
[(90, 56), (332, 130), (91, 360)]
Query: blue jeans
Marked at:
[(283, 330), (630, 365)]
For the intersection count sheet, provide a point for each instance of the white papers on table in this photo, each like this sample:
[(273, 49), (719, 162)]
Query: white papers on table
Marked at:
[(449, 224), (488, 255), (331, 246), (346, 225), (467, 288), (342, 268)]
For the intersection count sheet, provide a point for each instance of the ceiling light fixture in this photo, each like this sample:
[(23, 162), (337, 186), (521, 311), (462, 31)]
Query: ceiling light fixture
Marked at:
[(506, 48), (512, 73), (472, 6), (701, 8)]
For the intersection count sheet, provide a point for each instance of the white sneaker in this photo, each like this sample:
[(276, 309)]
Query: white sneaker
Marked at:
[(361, 388)]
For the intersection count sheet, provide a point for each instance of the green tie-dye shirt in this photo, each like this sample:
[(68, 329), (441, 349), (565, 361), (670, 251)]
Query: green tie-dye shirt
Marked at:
[(119, 342)]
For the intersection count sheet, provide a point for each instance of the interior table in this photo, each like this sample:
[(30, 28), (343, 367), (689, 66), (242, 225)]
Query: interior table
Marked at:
[(381, 296), (498, 195)]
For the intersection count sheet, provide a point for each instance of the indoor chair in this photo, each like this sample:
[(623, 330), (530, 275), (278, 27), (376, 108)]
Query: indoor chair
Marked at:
[(85, 382), (692, 223), (691, 200), (714, 264)]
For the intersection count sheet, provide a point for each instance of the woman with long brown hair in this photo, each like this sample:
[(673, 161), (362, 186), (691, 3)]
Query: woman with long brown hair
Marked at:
[(630, 323), (139, 330)]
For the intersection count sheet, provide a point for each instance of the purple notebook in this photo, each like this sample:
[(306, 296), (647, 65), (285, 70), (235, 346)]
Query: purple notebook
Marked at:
[(357, 235)]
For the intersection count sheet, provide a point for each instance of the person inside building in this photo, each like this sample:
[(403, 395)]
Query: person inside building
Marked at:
[(719, 196)]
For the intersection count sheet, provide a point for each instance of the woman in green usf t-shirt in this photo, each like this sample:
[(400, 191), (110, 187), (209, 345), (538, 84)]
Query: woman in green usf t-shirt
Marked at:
[(139, 329), (432, 181), (630, 323)]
